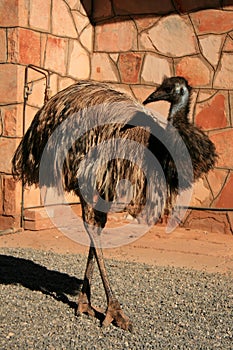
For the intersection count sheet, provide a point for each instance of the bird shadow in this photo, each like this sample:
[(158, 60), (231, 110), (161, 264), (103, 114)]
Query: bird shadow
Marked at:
[(14, 270), (36, 277)]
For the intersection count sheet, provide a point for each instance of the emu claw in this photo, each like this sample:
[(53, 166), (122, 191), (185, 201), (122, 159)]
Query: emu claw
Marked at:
[(116, 316)]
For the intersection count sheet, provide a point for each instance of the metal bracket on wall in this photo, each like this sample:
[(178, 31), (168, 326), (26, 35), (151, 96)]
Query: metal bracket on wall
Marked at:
[(28, 90)]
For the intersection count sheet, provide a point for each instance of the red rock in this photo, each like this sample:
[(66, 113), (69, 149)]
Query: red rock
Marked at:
[(9, 187), (208, 221), (9, 121), (129, 66), (8, 13), (212, 113), (7, 222), (225, 200), (3, 46), (195, 71), (223, 143), (11, 76), (24, 46), (7, 149), (212, 21), (116, 36)]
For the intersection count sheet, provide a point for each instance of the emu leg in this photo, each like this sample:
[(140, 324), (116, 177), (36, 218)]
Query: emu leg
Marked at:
[(84, 300), (94, 222), (114, 313)]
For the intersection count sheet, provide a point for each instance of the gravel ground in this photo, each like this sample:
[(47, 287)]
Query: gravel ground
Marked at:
[(171, 308)]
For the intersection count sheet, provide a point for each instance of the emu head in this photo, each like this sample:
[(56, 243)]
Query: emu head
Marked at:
[(175, 90)]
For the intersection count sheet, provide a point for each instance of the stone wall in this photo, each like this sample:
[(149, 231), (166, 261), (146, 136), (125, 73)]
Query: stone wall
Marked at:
[(132, 45), (55, 35)]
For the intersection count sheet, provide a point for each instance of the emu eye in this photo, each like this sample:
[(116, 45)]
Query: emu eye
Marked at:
[(168, 89), (182, 91)]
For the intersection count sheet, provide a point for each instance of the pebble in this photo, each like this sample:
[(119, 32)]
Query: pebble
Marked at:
[(171, 308)]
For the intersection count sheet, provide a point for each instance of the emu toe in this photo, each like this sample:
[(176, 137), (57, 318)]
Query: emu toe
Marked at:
[(85, 307), (116, 316)]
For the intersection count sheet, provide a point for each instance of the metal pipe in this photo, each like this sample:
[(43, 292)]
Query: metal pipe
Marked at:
[(27, 92)]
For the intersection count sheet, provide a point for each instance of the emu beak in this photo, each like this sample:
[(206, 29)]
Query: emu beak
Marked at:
[(157, 95)]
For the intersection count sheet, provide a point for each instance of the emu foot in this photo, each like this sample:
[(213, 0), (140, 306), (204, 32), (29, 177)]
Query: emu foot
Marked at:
[(116, 316), (85, 307)]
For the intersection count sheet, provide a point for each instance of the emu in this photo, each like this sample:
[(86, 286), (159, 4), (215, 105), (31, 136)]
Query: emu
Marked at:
[(119, 117)]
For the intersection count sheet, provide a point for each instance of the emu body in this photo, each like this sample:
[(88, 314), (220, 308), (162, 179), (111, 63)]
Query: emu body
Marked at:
[(116, 116)]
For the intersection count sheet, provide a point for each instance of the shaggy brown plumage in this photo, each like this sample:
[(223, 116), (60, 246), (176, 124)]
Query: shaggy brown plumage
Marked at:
[(71, 137)]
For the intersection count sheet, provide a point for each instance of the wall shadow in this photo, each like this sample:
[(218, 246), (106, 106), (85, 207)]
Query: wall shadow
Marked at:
[(104, 10), (36, 277)]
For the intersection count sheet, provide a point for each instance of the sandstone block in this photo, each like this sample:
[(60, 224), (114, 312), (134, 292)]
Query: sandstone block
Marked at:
[(38, 225), (174, 36), (223, 77), (30, 114), (24, 46), (212, 21), (208, 221), (195, 71), (79, 62), (32, 196), (11, 118), (9, 196), (7, 149), (11, 83), (7, 222), (223, 143), (211, 47), (9, 13), (36, 99), (225, 200), (111, 37), (212, 114), (130, 66), (103, 68), (62, 20), (55, 56), (40, 15), (154, 69), (3, 46)]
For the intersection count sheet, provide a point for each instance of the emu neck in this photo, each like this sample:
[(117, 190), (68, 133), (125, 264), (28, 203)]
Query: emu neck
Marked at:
[(179, 111)]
